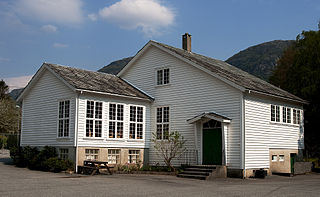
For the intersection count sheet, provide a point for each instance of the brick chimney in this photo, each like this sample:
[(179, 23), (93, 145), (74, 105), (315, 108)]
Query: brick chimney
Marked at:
[(186, 42)]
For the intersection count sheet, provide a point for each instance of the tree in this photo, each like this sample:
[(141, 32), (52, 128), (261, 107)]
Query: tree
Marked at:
[(4, 89), (170, 148), (298, 72)]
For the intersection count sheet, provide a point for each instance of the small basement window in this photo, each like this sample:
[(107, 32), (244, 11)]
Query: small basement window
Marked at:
[(92, 154), (274, 158), (134, 156), (64, 153), (281, 157), (114, 156)]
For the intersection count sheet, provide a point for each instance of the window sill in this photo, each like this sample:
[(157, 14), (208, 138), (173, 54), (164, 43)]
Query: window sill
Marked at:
[(164, 85), (93, 138), (284, 124), (115, 139), (63, 138), (135, 140)]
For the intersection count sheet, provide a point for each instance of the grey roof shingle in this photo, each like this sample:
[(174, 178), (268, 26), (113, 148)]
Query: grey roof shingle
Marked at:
[(96, 81), (233, 74)]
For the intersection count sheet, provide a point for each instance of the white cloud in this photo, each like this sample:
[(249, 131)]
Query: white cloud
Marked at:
[(92, 17), (60, 45), (49, 28), (3, 59), (149, 16), (17, 82), (57, 11)]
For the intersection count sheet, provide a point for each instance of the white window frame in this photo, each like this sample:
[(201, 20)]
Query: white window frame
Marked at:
[(136, 123), (296, 116), (276, 113), (274, 158), (116, 121), (63, 119), (92, 153), (162, 123), (94, 119), (286, 115), (113, 156), (162, 81), (134, 156), (281, 158), (64, 153)]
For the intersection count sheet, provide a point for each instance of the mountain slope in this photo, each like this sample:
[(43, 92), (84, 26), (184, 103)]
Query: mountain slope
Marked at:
[(260, 59), (116, 66)]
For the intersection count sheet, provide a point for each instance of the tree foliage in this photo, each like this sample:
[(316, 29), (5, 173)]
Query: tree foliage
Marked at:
[(170, 148), (298, 72), (9, 114)]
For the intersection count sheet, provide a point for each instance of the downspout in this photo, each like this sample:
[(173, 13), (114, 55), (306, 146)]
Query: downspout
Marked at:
[(243, 135), (76, 131)]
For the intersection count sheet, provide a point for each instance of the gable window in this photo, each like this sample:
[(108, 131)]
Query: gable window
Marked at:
[(94, 119), (115, 120), (162, 123), (92, 154), (296, 116), (113, 156), (136, 122), (163, 76), (275, 113), (134, 156), (64, 118), (64, 153)]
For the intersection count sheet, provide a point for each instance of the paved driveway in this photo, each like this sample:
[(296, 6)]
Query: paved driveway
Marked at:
[(23, 182)]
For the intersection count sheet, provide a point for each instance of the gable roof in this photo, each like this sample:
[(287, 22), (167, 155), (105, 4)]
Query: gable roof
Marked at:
[(211, 115), (96, 82), (224, 71)]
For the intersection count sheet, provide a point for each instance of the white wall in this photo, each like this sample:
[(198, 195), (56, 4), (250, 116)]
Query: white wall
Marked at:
[(40, 112), (191, 92), (105, 141), (261, 134)]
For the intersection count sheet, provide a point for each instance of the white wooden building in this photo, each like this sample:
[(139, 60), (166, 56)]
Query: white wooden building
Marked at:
[(227, 116)]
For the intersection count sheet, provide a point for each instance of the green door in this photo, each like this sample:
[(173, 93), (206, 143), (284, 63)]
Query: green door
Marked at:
[(292, 160), (212, 147)]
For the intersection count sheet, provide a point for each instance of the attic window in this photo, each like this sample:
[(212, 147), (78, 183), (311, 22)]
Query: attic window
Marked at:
[(163, 76)]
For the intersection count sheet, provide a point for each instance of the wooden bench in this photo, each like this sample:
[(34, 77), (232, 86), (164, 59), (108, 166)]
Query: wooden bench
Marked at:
[(93, 167)]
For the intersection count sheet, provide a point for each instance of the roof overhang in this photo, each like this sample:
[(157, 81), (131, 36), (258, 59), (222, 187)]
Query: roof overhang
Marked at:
[(209, 115)]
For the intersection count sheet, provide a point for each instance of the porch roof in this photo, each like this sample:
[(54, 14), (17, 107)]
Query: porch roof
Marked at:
[(210, 115)]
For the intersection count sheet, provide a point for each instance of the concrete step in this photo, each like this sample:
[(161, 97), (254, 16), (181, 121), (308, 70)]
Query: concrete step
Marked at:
[(196, 173), (198, 169), (192, 176)]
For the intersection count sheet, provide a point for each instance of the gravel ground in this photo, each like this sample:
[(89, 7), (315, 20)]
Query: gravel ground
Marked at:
[(16, 181)]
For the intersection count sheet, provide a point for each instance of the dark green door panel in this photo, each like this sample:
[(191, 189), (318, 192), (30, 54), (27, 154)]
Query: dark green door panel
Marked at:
[(212, 146)]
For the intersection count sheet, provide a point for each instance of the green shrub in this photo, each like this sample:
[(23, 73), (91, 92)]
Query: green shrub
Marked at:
[(12, 141), (3, 141), (55, 164)]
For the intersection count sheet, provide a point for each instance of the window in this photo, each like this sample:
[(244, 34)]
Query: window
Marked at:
[(94, 119), (163, 76), (286, 115), (113, 156), (115, 120), (136, 122), (64, 153), (162, 123), (275, 113), (296, 116), (274, 158), (92, 154), (64, 118), (281, 157), (134, 156)]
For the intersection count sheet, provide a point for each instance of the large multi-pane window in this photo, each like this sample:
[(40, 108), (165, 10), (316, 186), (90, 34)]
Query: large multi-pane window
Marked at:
[(296, 116), (136, 122), (163, 76), (113, 156), (92, 154), (64, 118), (134, 156), (116, 114), (286, 115), (94, 119), (162, 123)]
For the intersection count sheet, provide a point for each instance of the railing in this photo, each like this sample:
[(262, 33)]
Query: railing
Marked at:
[(189, 157)]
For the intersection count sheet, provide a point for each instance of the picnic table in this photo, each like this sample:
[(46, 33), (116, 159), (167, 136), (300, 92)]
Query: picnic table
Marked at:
[(93, 167)]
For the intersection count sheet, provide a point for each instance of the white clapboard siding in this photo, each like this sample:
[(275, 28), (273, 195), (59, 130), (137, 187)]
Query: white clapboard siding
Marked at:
[(40, 112), (261, 134), (191, 92), (104, 141)]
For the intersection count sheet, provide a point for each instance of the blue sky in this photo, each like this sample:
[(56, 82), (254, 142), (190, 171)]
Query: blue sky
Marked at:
[(90, 34)]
